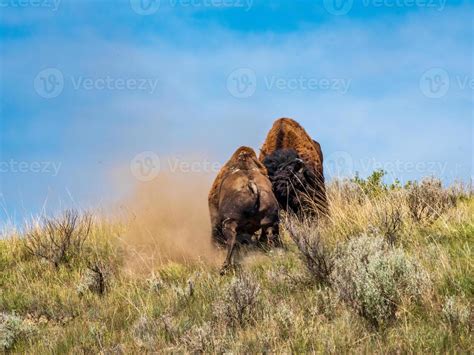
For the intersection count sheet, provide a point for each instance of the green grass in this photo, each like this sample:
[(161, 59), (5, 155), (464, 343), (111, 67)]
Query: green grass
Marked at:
[(181, 307)]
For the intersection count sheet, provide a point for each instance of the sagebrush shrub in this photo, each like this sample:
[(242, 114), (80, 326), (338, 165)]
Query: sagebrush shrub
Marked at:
[(59, 239), (455, 312), (308, 239), (427, 200), (325, 303), (374, 278), (199, 339), (285, 317), (13, 329), (145, 332), (239, 301), (96, 279), (155, 283)]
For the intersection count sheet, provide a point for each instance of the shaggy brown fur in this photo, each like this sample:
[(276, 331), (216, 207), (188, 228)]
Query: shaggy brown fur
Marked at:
[(241, 202), (285, 138)]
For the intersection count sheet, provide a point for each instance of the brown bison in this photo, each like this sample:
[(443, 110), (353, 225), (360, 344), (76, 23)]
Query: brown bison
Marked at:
[(241, 202), (294, 163)]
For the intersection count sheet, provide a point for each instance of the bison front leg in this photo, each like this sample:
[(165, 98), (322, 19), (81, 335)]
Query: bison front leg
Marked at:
[(274, 236), (271, 236), (230, 234)]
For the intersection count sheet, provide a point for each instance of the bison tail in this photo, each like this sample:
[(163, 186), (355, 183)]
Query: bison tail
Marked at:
[(256, 192)]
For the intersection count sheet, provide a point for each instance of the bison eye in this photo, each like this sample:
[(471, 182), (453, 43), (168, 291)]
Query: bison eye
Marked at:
[(299, 165)]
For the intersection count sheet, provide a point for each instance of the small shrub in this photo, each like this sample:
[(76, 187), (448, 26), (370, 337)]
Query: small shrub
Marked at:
[(455, 312), (285, 317), (325, 303), (155, 283), (239, 301), (96, 279), (13, 329), (170, 330), (308, 239), (373, 185), (60, 239), (460, 191), (145, 332), (389, 220), (373, 278), (428, 200), (199, 339)]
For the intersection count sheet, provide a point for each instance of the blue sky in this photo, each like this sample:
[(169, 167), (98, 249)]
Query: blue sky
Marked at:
[(88, 86)]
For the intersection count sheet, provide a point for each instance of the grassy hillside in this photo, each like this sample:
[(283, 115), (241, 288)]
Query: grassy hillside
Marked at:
[(390, 270)]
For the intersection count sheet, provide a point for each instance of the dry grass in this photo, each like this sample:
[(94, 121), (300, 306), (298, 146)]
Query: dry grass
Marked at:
[(391, 282)]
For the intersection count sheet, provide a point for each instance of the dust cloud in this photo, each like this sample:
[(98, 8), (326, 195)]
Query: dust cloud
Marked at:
[(167, 220)]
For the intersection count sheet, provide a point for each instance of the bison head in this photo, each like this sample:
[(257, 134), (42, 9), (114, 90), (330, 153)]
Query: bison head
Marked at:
[(292, 180)]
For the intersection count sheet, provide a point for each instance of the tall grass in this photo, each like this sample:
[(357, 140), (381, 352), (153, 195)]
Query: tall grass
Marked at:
[(371, 277)]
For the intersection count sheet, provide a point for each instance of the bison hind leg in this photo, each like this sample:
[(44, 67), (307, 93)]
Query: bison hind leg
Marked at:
[(230, 234), (218, 237)]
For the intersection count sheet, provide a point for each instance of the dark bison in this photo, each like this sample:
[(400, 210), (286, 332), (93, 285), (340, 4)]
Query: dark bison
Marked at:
[(294, 163), (241, 202)]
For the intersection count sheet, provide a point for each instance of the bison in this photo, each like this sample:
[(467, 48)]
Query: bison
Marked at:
[(241, 202), (294, 163)]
